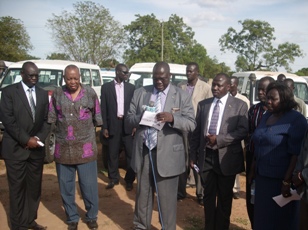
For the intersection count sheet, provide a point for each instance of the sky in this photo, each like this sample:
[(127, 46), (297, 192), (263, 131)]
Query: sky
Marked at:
[(209, 19)]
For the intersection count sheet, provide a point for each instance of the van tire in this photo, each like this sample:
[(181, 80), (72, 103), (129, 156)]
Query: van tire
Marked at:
[(50, 145)]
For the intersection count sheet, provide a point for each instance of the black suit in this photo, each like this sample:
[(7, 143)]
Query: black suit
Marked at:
[(219, 167), (24, 166), (119, 130)]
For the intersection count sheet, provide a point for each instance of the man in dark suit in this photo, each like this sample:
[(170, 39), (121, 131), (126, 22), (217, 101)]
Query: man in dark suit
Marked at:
[(115, 99), (173, 107), (24, 109), (216, 149)]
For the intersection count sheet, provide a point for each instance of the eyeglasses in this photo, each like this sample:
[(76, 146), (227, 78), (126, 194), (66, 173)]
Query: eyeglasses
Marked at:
[(32, 76), (125, 72)]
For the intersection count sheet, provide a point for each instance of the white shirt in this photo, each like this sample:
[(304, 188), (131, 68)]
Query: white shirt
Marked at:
[(119, 87), (27, 92), (222, 105)]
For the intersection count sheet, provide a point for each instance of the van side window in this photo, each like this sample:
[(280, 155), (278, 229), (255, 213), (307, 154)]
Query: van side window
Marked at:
[(240, 84), (85, 76), (96, 77)]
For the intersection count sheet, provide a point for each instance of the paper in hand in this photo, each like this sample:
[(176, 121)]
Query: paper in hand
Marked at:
[(149, 119), (282, 201)]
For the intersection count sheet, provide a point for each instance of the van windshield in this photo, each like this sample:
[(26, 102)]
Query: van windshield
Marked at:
[(140, 79), (300, 91), (48, 79)]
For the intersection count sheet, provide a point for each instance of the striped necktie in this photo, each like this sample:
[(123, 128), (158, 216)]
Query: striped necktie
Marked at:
[(214, 119), (32, 104)]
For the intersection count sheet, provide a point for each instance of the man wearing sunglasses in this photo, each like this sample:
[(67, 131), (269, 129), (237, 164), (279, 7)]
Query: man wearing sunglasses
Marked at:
[(23, 111), (115, 99)]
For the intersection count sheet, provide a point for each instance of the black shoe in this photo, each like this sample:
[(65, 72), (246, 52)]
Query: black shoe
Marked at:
[(129, 187), (200, 201), (36, 226), (92, 224), (236, 195), (72, 226), (111, 184)]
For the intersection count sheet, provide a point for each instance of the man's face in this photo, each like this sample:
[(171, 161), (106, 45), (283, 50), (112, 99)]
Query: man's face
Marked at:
[(191, 72), (122, 73), (262, 86), (72, 79), (161, 78), (220, 86), (30, 75), (233, 86)]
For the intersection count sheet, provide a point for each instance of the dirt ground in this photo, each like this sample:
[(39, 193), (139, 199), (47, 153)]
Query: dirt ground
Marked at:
[(116, 206)]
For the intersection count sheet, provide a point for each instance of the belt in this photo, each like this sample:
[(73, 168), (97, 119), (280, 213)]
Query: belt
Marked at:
[(120, 118), (209, 151)]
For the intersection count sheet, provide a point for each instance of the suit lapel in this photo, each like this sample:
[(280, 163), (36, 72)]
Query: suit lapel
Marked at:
[(227, 112), (206, 112), (170, 99), (112, 90), (23, 97)]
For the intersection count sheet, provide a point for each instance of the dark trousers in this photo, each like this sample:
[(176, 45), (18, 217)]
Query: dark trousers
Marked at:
[(249, 205), (218, 194), (25, 181), (115, 142)]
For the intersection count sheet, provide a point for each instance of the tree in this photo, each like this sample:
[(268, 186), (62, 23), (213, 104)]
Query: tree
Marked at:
[(302, 72), (58, 56), (14, 40), (254, 47), (145, 41), (89, 34)]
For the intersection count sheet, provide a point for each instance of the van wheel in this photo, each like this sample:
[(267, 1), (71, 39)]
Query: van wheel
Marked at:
[(50, 145)]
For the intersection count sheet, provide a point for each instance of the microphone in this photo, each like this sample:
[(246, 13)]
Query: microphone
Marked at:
[(149, 107)]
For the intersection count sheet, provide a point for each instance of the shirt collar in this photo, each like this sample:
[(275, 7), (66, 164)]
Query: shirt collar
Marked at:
[(25, 87), (116, 83), (223, 100), (165, 92)]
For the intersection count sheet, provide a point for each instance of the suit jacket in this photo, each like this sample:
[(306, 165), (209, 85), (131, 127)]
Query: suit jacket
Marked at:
[(233, 129), (109, 107), (201, 91), (170, 148), (16, 116)]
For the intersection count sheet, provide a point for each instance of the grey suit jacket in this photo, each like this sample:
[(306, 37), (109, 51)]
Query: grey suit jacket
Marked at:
[(170, 148), (233, 129), (17, 119)]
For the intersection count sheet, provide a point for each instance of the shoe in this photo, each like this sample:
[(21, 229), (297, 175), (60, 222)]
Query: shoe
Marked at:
[(129, 187), (72, 226), (92, 224), (36, 226), (111, 184), (200, 201), (236, 195)]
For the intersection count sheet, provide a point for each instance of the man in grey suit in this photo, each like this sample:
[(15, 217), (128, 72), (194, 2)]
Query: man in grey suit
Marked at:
[(168, 154), (216, 148), (24, 110)]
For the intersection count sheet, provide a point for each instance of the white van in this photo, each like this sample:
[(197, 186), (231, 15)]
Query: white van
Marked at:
[(141, 73), (51, 76), (107, 74), (248, 84)]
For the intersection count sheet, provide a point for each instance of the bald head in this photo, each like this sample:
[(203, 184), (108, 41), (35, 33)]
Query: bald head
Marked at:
[(161, 76)]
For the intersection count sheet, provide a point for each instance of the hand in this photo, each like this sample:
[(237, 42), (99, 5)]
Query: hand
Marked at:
[(211, 140), (296, 179), (191, 163), (133, 132), (164, 117), (285, 190), (32, 143), (106, 133)]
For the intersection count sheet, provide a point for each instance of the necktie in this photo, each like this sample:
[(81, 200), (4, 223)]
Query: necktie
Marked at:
[(214, 120), (32, 105), (151, 141)]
